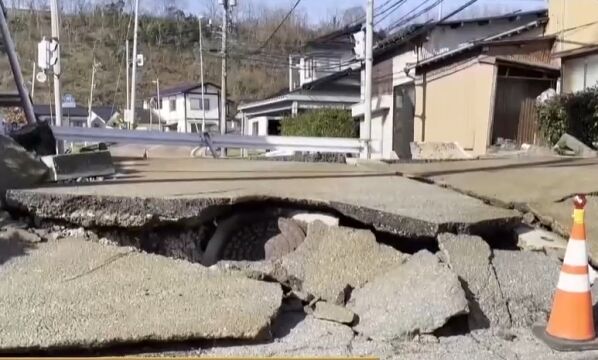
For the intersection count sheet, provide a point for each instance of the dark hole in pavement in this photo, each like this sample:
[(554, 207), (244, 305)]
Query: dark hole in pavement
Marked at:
[(457, 325), (501, 239), (407, 245)]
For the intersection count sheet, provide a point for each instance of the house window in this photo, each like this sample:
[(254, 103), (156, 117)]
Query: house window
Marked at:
[(196, 104), (172, 104)]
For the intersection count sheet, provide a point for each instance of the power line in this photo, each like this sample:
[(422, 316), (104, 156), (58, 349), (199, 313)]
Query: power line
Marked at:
[(410, 15), (388, 11), (432, 25), (279, 25)]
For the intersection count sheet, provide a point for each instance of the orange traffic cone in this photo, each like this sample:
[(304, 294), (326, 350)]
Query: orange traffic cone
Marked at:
[(571, 323)]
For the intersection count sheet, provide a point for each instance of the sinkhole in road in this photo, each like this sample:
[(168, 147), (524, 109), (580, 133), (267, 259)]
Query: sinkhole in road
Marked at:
[(252, 231)]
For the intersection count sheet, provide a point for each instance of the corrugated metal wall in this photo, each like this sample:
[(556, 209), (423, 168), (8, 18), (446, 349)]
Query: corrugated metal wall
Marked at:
[(515, 116)]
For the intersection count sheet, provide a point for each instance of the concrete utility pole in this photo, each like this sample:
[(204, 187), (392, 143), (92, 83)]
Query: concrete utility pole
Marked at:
[(55, 19), (158, 103), (134, 74), (90, 103), (128, 68), (369, 62), (224, 67), (33, 80), (203, 90)]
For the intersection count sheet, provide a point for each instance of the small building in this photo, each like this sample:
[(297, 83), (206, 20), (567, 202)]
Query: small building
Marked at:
[(575, 25), (338, 91), (484, 92), (181, 109), (101, 116), (326, 76), (394, 97)]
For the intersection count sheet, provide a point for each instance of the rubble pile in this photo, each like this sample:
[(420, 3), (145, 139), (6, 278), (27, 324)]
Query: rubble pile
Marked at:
[(341, 292)]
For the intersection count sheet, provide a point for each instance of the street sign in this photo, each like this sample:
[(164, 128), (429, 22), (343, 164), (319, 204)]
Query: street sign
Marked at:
[(43, 54), (68, 101), (41, 77)]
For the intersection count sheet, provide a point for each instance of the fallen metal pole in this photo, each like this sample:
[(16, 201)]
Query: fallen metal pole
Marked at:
[(16, 67)]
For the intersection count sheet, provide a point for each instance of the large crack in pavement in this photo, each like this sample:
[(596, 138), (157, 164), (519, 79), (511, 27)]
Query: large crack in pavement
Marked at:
[(132, 212)]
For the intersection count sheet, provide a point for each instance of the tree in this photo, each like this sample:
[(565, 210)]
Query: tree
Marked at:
[(320, 123)]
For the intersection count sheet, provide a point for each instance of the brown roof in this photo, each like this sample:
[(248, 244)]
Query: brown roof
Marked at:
[(582, 51)]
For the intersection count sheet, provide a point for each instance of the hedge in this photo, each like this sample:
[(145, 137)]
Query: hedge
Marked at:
[(575, 114), (321, 123)]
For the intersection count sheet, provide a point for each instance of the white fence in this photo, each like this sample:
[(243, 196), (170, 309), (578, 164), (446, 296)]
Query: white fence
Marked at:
[(289, 143)]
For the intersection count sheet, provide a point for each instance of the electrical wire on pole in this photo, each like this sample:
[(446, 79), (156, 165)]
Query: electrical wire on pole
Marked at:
[(131, 120), (223, 88), (369, 62), (265, 43), (203, 89)]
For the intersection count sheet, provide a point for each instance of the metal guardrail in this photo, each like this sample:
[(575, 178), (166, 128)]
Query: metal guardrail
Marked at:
[(290, 143)]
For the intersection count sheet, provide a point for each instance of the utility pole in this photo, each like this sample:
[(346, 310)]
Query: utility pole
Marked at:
[(90, 102), (55, 19), (33, 80), (134, 75), (224, 67), (128, 68), (203, 90), (158, 103), (369, 62)]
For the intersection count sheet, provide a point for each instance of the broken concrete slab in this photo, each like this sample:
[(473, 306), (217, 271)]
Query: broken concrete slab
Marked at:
[(558, 216), (79, 165), (75, 293), (19, 168), (469, 257), (22, 235), (340, 314), (438, 151), (295, 335), (388, 202), (528, 281), (419, 296), (309, 218), (579, 148), (333, 260), (290, 237), (532, 239)]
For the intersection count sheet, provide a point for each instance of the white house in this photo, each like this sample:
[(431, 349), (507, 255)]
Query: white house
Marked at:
[(326, 76), (394, 87), (181, 109), (100, 117)]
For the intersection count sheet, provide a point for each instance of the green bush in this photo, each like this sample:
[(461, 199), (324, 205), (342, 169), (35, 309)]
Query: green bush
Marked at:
[(575, 114), (320, 123)]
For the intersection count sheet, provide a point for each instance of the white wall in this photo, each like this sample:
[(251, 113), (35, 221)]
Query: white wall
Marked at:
[(214, 106), (193, 116), (441, 39), (381, 130), (580, 73), (262, 124), (445, 38)]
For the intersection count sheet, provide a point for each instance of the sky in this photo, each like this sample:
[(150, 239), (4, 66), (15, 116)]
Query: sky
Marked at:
[(318, 10)]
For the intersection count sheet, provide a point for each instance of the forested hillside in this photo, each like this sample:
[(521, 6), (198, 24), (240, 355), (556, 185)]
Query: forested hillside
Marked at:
[(169, 41)]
